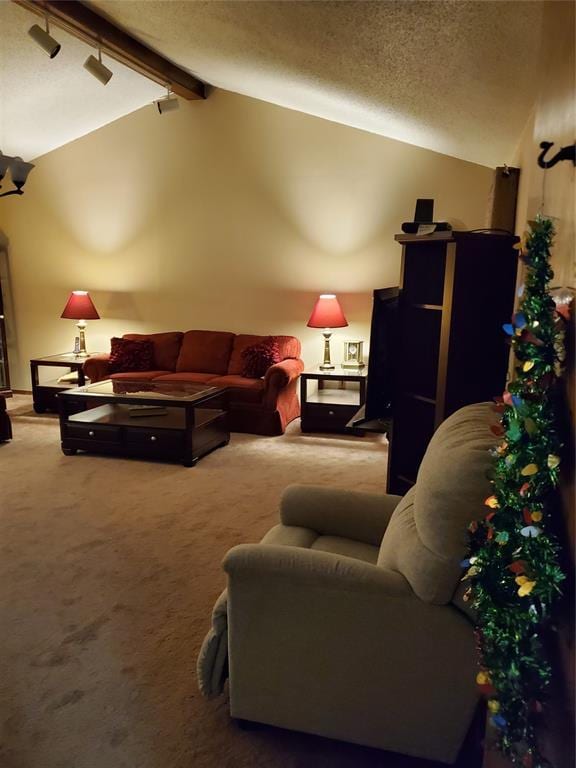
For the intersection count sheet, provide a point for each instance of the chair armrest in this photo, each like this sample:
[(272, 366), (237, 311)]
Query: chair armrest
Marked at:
[(96, 366), (281, 374), (336, 512), (308, 567)]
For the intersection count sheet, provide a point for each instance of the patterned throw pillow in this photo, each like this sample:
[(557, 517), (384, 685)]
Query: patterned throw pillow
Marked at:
[(259, 357), (127, 355)]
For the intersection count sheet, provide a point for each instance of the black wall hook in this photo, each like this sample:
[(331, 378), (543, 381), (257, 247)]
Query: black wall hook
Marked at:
[(566, 153)]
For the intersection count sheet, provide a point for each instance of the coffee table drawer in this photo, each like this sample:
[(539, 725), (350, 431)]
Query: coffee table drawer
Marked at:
[(155, 438), (95, 432)]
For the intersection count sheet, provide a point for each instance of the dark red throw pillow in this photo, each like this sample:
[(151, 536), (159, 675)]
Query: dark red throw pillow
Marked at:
[(259, 357), (127, 355)]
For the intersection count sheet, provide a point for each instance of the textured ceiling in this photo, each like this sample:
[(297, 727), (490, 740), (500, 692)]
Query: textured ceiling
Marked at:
[(454, 76)]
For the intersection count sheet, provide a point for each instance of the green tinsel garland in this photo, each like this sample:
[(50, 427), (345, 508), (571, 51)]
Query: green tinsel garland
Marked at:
[(513, 563)]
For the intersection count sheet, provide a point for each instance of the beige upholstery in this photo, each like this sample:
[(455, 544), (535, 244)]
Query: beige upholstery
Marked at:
[(427, 536), (347, 620)]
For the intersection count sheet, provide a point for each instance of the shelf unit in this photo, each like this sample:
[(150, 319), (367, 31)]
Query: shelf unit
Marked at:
[(5, 389), (456, 290)]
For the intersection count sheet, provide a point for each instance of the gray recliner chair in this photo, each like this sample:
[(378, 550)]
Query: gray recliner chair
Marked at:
[(347, 620)]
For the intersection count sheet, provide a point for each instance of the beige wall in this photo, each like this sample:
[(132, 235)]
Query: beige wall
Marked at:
[(228, 214), (552, 191)]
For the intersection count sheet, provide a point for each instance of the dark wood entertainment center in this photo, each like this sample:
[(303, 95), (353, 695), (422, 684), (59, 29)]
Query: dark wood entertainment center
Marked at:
[(456, 291), (5, 390)]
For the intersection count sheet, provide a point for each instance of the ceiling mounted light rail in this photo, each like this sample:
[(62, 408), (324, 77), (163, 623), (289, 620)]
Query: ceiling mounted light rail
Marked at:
[(85, 24), (19, 171)]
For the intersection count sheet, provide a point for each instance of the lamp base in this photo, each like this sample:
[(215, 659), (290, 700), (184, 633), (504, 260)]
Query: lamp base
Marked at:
[(326, 364), (81, 325)]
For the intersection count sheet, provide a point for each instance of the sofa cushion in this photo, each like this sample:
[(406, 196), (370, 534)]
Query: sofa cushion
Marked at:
[(205, 352), (257, 358), (130, 355), (288, 346), (187, 376), (166, 347), (138, 375), (240, 389), (427, 535)]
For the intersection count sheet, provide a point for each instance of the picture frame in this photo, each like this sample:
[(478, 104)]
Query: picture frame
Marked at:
[(353, 354)]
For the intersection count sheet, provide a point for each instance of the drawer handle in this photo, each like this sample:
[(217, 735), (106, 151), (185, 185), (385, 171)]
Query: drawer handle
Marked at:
[(91, 434), (330, 413), (153, 438)]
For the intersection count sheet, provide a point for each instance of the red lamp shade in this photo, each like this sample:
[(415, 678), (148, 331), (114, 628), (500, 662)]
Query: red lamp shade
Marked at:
[(80, 307), (327, 313)]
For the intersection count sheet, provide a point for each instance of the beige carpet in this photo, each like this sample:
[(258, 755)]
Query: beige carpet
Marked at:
[(108, 572)]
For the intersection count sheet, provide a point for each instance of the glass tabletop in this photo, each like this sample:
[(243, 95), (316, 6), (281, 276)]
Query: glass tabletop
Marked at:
[(181, 391)]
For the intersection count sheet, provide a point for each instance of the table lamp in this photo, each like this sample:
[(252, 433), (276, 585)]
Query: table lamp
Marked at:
[(327, 314), (81, 308)]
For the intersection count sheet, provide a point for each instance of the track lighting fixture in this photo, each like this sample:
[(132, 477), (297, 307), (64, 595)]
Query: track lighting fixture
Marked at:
[(19, 171), (97, 69), (44, 40), (167, 103)]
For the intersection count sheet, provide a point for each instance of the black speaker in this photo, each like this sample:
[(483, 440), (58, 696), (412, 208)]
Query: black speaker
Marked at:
[(504, 198), (424, 213)]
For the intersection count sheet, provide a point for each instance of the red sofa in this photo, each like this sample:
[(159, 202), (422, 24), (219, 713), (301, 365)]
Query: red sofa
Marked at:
[(262, 406)]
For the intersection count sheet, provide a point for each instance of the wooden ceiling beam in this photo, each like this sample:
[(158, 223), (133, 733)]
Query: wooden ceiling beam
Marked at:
[(84, 23)]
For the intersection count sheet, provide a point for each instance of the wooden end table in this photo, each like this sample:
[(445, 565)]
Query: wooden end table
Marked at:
[(45, 393), (329, 408)]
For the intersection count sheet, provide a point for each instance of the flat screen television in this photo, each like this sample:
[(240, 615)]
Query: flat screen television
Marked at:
[(381, 362)]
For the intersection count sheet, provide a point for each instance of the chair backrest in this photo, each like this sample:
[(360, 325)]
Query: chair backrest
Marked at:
[(426, 538)]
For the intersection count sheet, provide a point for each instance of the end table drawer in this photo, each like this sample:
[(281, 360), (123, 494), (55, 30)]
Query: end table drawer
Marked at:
[(320, 417), (96, 432), (155, 438)]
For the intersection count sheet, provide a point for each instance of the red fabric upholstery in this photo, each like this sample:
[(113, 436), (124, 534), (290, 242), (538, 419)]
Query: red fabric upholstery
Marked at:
[(193, 378), (259, 406), (241, 342), (240, 389), (166, 347), (130, 355), (96, 367), (138, 375), (205, 352), (281, 381), (288, 346), (259, 357)]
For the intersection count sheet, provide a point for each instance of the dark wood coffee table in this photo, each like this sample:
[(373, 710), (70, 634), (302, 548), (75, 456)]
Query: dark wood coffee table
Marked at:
[(98, 418)]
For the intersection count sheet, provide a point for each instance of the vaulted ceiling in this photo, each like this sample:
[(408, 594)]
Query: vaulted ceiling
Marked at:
[(455, 76)]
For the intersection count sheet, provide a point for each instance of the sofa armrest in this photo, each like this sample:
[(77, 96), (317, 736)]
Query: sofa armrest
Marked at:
[(281, 374), (336, 512), (96, 367), (309, 567)]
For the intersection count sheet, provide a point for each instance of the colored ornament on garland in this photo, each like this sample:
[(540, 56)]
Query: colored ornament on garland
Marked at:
[(513, 564)]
